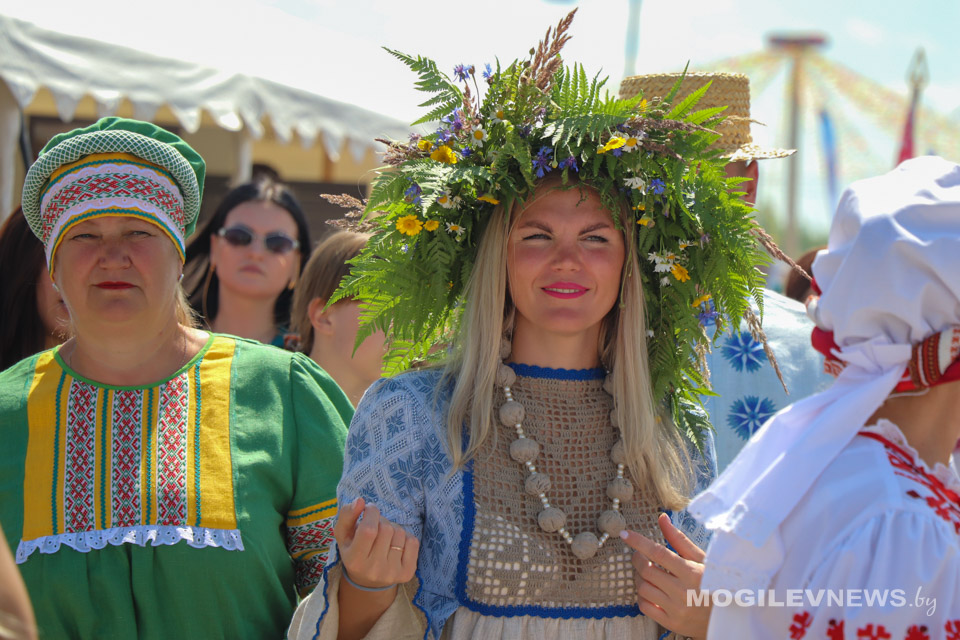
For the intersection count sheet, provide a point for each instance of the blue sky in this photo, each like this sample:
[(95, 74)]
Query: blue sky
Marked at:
[(332, 47)]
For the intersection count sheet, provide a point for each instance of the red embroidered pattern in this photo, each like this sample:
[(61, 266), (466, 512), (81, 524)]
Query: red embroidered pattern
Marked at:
[(801, 622), (302, 541), (870, 633), (952, 627), (79, 458), (944, 502), (917, 632), (172, 452), (127, 409), (835, 630), (111, 185)]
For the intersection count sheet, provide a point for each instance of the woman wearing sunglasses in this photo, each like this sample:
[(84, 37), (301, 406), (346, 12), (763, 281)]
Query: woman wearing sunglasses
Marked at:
[(250, 256)]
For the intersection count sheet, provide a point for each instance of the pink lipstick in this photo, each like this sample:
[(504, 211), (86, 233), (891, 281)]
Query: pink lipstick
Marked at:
[(564, 290)]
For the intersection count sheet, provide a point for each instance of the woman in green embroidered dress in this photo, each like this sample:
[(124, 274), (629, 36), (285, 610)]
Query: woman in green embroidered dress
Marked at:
[(156, 480)]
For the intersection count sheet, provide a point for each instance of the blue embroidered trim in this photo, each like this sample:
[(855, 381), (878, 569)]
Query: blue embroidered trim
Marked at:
[(466, 535), (533, 371), (326, 600)]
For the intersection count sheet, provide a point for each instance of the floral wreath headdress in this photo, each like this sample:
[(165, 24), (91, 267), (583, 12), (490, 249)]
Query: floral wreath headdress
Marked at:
[(699, 245)]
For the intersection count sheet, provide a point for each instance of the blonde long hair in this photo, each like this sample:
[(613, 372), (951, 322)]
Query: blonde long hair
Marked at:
[(657, 457)]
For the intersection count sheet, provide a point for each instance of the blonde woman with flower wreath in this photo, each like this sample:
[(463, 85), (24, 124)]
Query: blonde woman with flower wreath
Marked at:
[(487, 497)]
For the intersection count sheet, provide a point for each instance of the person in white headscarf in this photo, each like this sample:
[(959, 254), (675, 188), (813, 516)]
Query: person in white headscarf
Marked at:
[(840, 518)]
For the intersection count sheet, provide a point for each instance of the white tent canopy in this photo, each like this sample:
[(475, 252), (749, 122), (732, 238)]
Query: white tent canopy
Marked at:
[(72, 67)]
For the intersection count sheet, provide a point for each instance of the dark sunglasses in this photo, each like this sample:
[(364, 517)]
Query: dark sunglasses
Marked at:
[(275, 241)]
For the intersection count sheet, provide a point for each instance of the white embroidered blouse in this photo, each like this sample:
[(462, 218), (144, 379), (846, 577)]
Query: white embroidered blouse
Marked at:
[(872, 552)]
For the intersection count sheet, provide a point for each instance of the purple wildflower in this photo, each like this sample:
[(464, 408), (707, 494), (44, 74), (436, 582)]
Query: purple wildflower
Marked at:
[(461, 71), (617, 152), (466, 151), (454, 120), (443, 136), (414, 138), (525, 130), (412, 194), (708, 313), (657, 186), (487, 72), (570, 163), (704, 239), (541, 162)]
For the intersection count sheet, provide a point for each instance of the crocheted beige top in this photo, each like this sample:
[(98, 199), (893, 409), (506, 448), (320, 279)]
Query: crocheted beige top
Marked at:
[(515, 565)]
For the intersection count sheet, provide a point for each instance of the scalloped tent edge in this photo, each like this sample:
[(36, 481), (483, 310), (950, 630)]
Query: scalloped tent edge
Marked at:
[(72, 67)]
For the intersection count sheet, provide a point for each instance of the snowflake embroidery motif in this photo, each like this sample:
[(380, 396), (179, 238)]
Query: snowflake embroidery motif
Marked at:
[(432, 460), (743, 352), (403, 472), (357, 447), (748, 414)]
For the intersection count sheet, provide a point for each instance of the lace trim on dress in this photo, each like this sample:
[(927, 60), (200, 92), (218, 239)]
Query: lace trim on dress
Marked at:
[(156, 535)]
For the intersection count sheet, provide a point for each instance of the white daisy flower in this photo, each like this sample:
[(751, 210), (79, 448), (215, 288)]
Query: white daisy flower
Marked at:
[(632, 143), (664, 282), (636, 182), (478, 135), (455, 229), (498, 114), (445, 200)]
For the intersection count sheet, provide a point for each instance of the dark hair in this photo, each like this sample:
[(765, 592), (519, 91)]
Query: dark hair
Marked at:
[(205, 294), (796, 285), (22, 333)]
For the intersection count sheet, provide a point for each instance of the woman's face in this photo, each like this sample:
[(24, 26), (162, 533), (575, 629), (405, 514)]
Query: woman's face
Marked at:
[(367, 361), (253, 271), (53, 313), (564, 262), (117, 269)]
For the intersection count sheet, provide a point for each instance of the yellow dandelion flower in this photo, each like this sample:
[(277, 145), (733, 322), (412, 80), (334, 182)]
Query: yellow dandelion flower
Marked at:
[(444, 154), (424, 145), (431, 225), (643, 105), (409, 225), (680, 273), (646, 221), (699, 301), (640, 207), (615, 143), (488, 198)]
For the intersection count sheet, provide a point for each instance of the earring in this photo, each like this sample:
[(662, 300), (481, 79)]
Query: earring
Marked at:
[(55, 287)]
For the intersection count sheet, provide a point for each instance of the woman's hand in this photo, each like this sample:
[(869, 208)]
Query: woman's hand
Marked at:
[(664, 577), (374, 551)]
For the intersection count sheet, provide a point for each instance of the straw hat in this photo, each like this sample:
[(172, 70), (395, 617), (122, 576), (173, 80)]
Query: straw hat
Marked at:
[(730, 89)]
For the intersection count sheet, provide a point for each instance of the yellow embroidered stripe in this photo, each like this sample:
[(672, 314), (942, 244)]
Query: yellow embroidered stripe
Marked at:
[(43, 484), (300, 517), (216, 469), (101, 458)]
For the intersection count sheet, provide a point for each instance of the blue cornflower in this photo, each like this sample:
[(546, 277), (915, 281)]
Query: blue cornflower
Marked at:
[(617, 152), (454, 120), (541, 162), (525, 130), (748, 414), (443, 136), (412, 194), (708, 313), (657, 186), (487, 72), (461, 71), (570, 163), (466, 151)]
